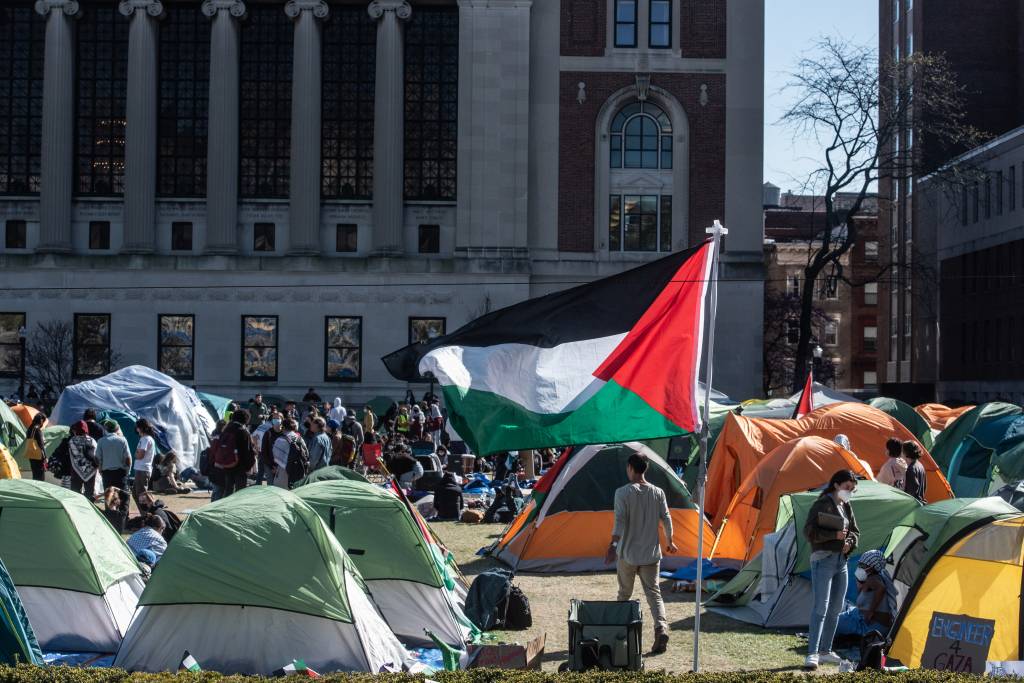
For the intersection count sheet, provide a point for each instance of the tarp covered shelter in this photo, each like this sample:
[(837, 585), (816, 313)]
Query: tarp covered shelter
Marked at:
[(18, 644), (78, 580), (330, 473), (795, 466), (907, 416), (407, 573), (917, 538), (1013, 494), (983, 449), (566, 524), (940, 416), (774, 589), (250, 583), (978, 574), (52, 438), (745, 441), (12, 431), (143, 392)]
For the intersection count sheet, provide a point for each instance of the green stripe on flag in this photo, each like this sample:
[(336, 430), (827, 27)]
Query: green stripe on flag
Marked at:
[(491, 423)]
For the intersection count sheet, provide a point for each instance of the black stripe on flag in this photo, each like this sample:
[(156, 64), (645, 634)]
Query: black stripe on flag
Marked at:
[(602, 308)]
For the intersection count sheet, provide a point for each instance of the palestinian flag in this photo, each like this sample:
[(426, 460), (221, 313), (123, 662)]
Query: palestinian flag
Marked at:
[(806, 403), (605, 362), (189, 663), (297, 666)]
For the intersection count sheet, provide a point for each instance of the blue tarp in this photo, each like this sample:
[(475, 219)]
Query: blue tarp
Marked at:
[(689, 572)]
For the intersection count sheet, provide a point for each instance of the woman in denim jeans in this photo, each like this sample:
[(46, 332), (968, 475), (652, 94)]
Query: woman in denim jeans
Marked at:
[(832, 531)]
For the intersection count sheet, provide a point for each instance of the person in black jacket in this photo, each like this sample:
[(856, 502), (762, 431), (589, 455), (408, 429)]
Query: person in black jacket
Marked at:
[(832, 531), (448, 498), (914, 482), (235, 479)]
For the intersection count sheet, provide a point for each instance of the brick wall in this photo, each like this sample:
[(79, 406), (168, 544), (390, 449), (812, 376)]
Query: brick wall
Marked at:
[(584, 27), (577, 133), (702, 28)]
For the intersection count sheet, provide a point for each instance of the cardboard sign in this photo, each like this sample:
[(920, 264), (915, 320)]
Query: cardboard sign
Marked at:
[(508, 655), (958, 642)]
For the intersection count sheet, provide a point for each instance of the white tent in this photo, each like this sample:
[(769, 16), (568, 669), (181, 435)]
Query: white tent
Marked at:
[(143, 392)]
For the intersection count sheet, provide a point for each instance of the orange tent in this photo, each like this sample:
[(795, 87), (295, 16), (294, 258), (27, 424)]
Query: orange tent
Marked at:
[(939, 416), (25, 413), (744, 441), (795, 466)]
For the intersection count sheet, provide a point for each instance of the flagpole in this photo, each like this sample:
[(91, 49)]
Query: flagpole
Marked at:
[(716, 231)]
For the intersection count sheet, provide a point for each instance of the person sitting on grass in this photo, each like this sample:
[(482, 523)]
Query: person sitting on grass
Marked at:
[(876, 599)]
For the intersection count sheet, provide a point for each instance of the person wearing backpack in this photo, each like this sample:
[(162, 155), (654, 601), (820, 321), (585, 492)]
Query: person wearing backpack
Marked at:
[(291, 458), (233, 453)]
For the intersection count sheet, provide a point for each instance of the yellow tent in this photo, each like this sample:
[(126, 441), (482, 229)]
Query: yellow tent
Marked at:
[(8, 467), (967, 602), (795, 466)]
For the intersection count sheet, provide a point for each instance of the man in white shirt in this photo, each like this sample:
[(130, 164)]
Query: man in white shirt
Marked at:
[(144, 454), (639, 507)]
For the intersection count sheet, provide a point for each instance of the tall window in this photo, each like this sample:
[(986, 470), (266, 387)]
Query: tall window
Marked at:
[(91, 352), (10, 343), (431, 103), (184, 92), (176, 345), (871, 294), (21, 98), (641, 137), (640, 222), (659, 34), (870, 339), (831, 332), (343, 342), (422, 330), (102, 63), (15, 234), (266, 111), (625, 23), (259, 348), (349, 45)]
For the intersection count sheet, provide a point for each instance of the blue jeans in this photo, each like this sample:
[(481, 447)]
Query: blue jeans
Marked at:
[(852, 623), (828, 583)]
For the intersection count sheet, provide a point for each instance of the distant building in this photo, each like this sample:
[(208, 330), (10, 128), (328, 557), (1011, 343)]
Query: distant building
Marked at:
[(268, 195), (980, 254), (849, 337)]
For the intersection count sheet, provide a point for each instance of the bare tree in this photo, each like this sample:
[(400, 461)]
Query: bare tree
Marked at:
[(781, 313), (49, 357), (857, 109)]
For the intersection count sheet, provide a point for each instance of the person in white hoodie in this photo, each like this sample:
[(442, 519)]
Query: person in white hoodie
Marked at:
[(337, 412)]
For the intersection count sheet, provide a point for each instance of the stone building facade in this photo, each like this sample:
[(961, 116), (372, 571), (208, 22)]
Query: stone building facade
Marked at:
[(265, 195)]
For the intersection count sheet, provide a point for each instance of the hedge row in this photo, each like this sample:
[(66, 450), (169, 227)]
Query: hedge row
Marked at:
[(62, 674)]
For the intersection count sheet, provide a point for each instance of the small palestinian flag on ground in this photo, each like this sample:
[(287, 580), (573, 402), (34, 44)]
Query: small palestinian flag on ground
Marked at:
[(297, 667), (189, 663), (609, 361)]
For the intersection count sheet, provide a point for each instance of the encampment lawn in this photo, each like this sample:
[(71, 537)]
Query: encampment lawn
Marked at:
[(725, 644)]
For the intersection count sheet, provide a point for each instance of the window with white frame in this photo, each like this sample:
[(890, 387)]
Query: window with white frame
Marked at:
[(871, 251), (659, 33), (870, 338), (831, 332), (793, 285), (870, 378), (641, 137), (625, 23), (871, 294), (640, 222)]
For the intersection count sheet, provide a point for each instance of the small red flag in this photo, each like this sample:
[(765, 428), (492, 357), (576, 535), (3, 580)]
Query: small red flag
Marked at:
[(806, 403)]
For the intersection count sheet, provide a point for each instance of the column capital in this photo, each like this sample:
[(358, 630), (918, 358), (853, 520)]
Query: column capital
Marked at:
[(401, 8), (293, 8), (235, 7), (153, 8), (68, 7)]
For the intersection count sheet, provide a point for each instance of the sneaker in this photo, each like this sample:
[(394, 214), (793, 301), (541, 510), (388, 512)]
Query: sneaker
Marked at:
[(829, 657), (660, 643), (811, 663)]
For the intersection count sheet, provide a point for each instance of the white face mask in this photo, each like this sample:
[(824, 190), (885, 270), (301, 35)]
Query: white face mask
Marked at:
[(861, 574), (844, 495)]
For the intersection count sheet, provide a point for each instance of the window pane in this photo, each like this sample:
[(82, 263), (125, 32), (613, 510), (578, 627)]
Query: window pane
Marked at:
[(660, 36), (259, 363), (176, 361), (259, 331), (10, 343), (649, 232), (625, 11), (631, 233), (615, 223), (21, 99), (650, 159), (346, 239), (666, 223), (666, 151), (633, 160), (343, 343), (425, 329), (615, 152), (176, 330), (625, 35), (660, 11)]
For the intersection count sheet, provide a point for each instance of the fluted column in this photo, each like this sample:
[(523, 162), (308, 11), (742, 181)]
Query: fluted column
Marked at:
[(304, 208), (388, 126), (141, 128), (222, 127), (58, 152)]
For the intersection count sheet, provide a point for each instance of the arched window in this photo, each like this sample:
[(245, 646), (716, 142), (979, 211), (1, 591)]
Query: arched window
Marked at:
[(641, 137)]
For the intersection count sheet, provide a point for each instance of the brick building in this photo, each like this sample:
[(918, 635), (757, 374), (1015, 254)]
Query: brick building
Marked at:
[(983, 43), (849, 336), (268, 195)]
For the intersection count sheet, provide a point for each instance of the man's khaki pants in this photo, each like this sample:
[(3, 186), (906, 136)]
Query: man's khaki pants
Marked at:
[(649, 575)]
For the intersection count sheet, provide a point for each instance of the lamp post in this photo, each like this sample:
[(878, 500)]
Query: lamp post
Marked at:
[(816, 353), (22, 336)]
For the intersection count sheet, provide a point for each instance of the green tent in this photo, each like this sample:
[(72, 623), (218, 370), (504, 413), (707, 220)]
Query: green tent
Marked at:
[(906, 416), (924, 531), (379, 404), (216, 405), (78, 580), (18, 643), (52, 438), (12, 432), (259, 561), (332, 473), (404, 568), (982, 450), (774, 589)]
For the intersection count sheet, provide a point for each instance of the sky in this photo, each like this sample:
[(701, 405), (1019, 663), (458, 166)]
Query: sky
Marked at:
[(791, 29)]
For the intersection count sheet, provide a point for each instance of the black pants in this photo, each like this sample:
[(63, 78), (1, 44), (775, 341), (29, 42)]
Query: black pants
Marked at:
[(113, 478), (83, 486), (234, 481), (37, 470)]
